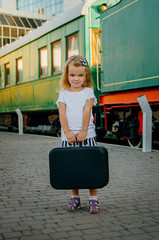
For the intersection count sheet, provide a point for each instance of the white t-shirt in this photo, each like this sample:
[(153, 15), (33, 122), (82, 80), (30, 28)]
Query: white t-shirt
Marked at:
[(75, 102)]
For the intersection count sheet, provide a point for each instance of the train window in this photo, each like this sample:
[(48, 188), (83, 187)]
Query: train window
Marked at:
[(43, 61), (56, 57), (19, 65), (7, 74), (95, 38), (0, 78), (72, 45)]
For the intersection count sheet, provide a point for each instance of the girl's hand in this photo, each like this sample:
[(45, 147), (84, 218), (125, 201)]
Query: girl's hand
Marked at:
[(81, 136), (70, 137)]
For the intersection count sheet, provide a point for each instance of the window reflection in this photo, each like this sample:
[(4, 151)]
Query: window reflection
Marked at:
[(43, 62), (72, 45), (95, 38), (56, 57), (7, 74), (19, 70)]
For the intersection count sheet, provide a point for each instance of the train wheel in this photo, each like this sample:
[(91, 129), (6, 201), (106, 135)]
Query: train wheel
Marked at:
[(136, 143)]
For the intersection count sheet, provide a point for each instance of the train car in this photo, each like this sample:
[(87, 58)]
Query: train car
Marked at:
[(129, 68), (31, 67), (119, 38)]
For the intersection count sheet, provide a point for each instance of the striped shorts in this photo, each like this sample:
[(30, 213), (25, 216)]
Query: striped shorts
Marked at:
[(88, 142)]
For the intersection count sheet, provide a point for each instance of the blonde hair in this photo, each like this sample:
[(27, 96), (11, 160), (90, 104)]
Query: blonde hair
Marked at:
[(77, 62)]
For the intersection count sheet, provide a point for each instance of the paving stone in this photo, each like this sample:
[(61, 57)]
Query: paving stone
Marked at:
[(93, 237), (30, 209), (37, 237), (59, 235), (76, 238), (75, 233), (12, 235)]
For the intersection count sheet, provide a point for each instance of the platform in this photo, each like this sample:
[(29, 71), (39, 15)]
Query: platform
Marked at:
[(30, 209)]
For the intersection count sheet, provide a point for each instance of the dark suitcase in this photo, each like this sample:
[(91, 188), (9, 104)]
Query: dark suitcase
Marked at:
[(79, 167)]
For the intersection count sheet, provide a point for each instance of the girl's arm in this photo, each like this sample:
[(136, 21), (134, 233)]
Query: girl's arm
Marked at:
[(64, 123), (86, 118)]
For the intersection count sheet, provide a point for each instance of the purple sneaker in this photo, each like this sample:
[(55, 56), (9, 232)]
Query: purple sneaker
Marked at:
[(93, 206), (74, 205)]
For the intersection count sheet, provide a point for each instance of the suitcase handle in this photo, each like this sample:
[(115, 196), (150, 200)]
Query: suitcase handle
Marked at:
[(80, 143)]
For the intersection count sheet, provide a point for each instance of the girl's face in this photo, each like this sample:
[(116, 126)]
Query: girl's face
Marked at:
[(76, 77)]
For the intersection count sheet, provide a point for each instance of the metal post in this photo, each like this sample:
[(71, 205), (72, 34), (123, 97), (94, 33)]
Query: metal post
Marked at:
[(147, 123), (97, 65), (20, 121)]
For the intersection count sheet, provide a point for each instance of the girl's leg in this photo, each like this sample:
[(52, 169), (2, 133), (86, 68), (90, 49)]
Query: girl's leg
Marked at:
[(93, 201), (75, 203), (93, 192), (75, 192)]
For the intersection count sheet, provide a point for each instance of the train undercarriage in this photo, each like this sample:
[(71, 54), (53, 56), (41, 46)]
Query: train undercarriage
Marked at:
[(126, 122), (121, 115), (34, 120), (119, 122)]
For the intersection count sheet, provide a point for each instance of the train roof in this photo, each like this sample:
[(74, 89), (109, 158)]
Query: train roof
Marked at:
[(80, 9)]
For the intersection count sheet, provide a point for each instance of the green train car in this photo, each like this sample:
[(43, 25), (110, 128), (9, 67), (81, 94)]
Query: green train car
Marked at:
[(129, 69), (119, 38)]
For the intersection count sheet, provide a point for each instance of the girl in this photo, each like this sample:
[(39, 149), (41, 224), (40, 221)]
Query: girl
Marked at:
[(75, 104)]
